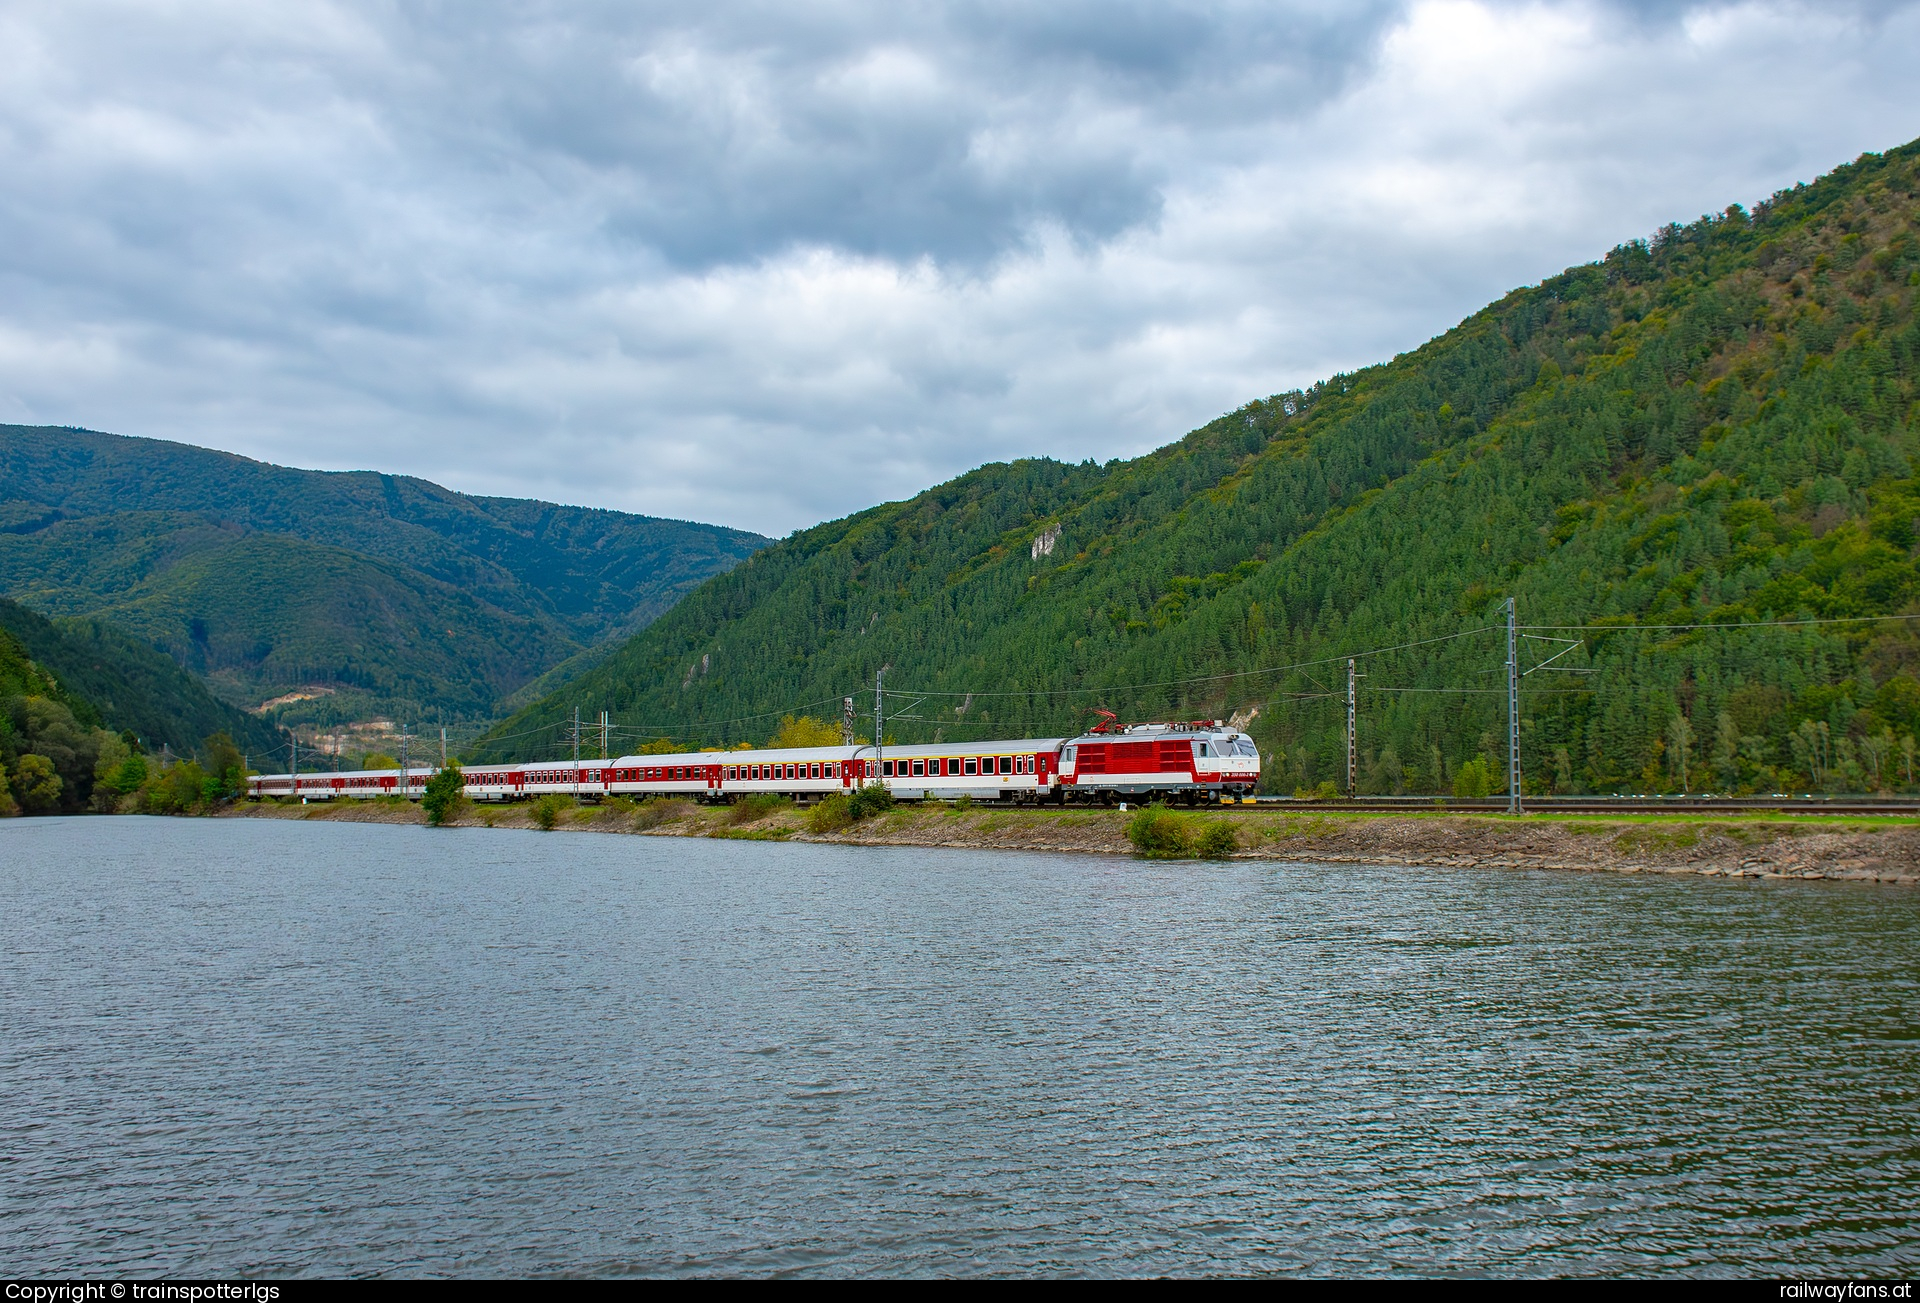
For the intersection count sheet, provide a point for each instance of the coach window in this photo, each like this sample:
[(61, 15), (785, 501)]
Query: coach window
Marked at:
[(973, 766), (886, 769)]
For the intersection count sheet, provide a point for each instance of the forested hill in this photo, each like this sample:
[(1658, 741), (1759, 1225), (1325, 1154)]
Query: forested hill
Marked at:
[(108, 677), (1715, 426), (390, 594)]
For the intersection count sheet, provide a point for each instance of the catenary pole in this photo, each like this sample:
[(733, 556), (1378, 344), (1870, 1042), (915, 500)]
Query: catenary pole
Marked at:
[(879, 735), (1513, 711), (1352, 767)]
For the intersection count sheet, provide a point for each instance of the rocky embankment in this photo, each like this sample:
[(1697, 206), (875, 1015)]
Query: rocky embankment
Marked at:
[(1865, 850)]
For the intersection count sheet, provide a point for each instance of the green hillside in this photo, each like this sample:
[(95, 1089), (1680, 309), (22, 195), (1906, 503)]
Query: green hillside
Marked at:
[(1715, 426), (107, 676), (396, 594)]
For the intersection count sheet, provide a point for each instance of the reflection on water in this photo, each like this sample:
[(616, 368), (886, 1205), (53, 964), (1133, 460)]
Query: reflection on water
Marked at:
[(251, 1047)]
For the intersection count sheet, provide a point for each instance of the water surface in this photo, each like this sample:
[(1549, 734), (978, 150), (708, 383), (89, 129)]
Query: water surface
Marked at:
[(278, 1048)]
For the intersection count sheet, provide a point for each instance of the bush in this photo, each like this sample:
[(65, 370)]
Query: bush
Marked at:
[(874, 798), (832, 814), (1160, 834), (1326, 791), (546, 810), (446, 795), (651, 814), (758, 806), (1218, 840)]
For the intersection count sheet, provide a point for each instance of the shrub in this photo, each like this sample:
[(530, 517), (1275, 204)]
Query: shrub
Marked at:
[(874, 798), (1218, 840), (1326, 791), (546, 810), (651, 814), (758, 806), (832, 814), (1160, 834)]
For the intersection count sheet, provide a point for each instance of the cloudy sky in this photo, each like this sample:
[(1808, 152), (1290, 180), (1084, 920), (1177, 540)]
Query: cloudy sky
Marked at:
[(765, 264)]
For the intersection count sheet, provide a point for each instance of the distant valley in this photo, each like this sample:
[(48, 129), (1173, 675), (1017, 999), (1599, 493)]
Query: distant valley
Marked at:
[(336, 596)]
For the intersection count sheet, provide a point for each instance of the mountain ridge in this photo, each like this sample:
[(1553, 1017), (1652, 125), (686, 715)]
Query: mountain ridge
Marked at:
[(393, 588)]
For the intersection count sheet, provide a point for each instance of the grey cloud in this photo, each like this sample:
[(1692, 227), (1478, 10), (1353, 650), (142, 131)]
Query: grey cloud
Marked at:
[(901, 131), (763, 264)]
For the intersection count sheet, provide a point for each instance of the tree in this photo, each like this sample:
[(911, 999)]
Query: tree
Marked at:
[(805, 731), (446, 793), (180, 789), (378, 760), (1874, 750), (1472, 779), (35, 784), (1726, 751), (48, 728), (225, 765), (1679, 747), (1811, 750)]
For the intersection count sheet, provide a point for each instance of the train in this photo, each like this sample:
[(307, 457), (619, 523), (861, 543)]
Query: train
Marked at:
[(1198, 762)]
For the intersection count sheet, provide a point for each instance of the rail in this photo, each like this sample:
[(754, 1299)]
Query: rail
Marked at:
[(1814, 805)]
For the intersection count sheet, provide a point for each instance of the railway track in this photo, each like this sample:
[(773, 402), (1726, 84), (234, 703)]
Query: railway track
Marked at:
[(1801, 805)]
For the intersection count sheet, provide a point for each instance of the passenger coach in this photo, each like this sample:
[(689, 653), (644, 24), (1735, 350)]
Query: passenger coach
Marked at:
[(1191, 762)]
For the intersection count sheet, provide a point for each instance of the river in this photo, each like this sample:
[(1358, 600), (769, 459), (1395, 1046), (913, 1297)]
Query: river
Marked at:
[(273, 1048)]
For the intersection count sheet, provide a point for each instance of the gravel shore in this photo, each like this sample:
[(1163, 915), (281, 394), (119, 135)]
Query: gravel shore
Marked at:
[(1885, 850)]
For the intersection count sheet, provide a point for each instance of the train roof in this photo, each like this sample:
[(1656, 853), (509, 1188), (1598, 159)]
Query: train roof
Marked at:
[(783, 755)]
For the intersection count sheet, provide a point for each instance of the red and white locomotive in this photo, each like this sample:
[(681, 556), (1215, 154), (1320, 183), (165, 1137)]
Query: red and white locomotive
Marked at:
[(1193, 762)]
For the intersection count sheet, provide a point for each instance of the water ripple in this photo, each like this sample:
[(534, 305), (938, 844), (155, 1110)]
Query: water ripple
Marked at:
[(270, 1048)]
